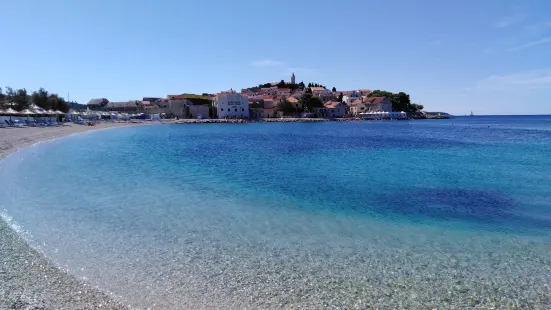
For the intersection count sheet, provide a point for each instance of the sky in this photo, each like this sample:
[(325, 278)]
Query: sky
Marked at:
[(485, 56)]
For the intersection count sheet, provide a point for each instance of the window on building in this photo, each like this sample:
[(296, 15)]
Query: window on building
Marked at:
[(242, 109), (235, 109)]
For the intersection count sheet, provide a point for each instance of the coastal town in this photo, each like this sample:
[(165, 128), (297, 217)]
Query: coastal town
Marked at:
[(275, 101), (284, 99)]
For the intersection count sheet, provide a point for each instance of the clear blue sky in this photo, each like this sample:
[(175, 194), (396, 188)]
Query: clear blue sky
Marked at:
[(491, 56)]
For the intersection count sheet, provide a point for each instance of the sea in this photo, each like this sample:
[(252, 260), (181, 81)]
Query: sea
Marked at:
[(415, 214)]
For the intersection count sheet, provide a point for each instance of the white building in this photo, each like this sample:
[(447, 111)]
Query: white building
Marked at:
[(231, 105), (371, 104), (323, 93), (332, 109), (351, 97)]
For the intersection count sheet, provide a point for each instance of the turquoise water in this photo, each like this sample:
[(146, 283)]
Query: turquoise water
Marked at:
[(397, 214)]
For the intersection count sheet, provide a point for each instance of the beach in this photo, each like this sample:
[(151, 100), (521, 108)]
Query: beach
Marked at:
[(27, 279)]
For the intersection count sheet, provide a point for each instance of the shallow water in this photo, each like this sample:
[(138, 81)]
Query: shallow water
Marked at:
[(400, 214)]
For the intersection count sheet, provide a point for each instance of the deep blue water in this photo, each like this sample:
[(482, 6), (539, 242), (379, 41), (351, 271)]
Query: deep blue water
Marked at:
[(163, 191)]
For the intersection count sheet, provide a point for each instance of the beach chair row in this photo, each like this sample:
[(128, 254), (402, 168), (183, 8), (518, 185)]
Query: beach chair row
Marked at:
[(29, 123)]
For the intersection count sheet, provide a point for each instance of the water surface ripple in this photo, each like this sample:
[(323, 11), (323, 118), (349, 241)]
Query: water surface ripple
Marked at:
[(451, 213)]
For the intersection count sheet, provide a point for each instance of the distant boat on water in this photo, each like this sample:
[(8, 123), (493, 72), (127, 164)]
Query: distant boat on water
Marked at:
[(472, 114)]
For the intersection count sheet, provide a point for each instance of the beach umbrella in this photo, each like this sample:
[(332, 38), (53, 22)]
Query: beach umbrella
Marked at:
[(36, 108), (37, 112), (10, 112), (27, 112), (50, 113)]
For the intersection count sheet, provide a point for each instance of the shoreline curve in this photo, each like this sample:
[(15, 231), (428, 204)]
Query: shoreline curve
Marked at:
[(28, 279)]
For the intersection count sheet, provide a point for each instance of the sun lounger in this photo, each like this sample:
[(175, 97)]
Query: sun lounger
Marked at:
[(30, 123), (13, 124)]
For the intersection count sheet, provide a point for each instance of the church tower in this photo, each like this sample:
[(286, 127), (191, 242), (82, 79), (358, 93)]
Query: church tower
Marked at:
[(293, 78)]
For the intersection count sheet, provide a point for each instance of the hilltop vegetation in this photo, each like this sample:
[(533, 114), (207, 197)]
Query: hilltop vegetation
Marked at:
[(199, 100), (400, 101), (283, 84)]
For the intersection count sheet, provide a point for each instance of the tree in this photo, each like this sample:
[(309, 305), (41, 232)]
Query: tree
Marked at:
[(417, 107), (340, 97), (381, 93), (315, 102), (301, 85), (10, 95), (311, 102), (57, 103), (286, 108), (309, 85), (21, 100), (40, 98), (2, 96), (400, 101), (334, 90), (281, 84)]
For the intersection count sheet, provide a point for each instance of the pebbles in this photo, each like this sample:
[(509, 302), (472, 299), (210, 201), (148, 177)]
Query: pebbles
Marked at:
[(29, 281)]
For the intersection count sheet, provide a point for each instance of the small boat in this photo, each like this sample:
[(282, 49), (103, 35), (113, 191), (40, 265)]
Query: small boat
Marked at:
[(472, 114)]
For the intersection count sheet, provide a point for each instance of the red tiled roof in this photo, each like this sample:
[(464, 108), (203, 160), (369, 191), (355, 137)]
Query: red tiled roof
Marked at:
[(176, 97), (369, 100), (284, 90), (292, 100), (374, 100), (317, 88), (331, 104)]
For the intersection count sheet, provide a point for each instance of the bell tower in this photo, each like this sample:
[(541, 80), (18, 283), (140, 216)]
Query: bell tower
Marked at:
[(293, 78)]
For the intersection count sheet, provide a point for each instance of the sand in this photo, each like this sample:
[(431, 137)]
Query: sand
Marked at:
[(27, 279)]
